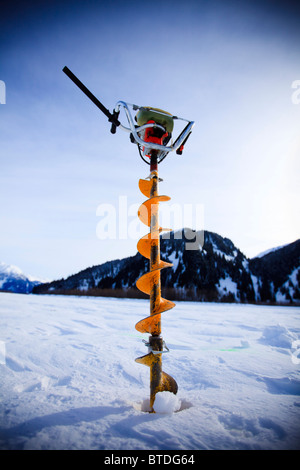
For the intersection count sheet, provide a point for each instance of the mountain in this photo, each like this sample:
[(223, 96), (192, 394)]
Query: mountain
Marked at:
[(278, 273), (215, 271), (12, 279)]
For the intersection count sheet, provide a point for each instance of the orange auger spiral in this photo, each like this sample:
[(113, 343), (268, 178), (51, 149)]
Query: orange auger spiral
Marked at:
[(149, 283)]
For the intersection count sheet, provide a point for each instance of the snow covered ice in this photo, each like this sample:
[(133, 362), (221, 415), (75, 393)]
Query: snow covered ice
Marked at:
[(68, 379)]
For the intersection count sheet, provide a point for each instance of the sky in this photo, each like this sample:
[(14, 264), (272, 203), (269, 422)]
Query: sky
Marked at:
[(232, 67)]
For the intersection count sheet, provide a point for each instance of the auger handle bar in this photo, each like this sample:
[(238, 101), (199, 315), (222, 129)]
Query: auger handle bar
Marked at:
[(113, 118)]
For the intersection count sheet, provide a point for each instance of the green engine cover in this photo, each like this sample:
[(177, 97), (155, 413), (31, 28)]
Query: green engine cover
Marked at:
[(159, 116)]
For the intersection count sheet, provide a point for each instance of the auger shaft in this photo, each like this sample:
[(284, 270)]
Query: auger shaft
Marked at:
[(155, 292), (156, 342), (150, 283)]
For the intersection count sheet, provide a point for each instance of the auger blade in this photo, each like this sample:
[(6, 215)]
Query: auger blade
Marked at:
[(168, 384), (146, 360), (145, 243), (146, 281), (166, 305), (149, 325), (161, 381), (145, 187), (147, 208)]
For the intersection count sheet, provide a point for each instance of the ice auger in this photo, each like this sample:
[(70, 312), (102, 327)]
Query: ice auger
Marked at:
[(151, 130)]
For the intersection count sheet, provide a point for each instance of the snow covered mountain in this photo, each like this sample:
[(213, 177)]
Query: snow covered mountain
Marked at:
[(217, 271), (278, 274), (12, 279)]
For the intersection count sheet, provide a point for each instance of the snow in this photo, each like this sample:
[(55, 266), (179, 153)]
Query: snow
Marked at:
[(227, 285), (84, 285), (68, 379), (293, 276), (279, 336), (255, 284), (13, 275), (221, 253), (10, 270), (166, 403), (289, 286), (174, 259), (270, 250)]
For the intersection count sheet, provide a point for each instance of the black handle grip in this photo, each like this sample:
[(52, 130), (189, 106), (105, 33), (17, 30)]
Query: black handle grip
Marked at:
[(111, 117), (180, 150), (114, 120)]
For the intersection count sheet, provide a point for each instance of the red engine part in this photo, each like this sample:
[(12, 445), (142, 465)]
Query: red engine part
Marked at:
[(153, 135)]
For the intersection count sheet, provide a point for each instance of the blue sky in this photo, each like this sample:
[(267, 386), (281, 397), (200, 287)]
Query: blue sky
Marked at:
[(229, 66)]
